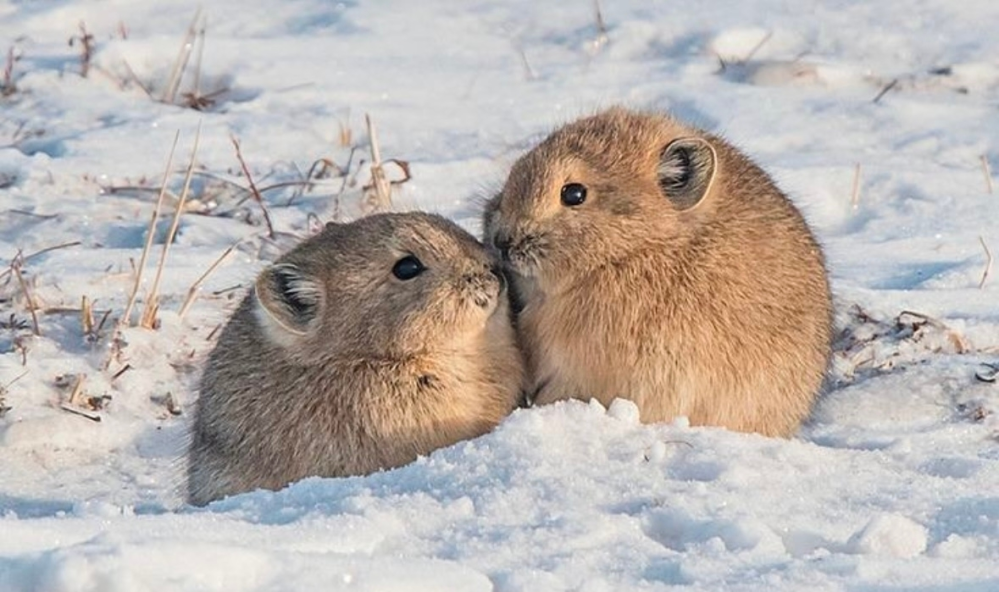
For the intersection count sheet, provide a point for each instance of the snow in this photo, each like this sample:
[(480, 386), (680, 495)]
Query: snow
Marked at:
[(892, 485)]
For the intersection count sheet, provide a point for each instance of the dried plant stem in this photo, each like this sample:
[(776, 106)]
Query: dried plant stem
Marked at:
[(988, 263), (74, 396), (528, 69), (988, 174), (91, 415), (253, 187), (87, 316), (152, 299), (855, 195), (601, 39), (125, 319), (380, 185), (345, 135), (200, 40), (759, 45), (180, 64), (884, 90), (7, 87), (26, 258), (192, 292), (135, 79), (15, 267), (86, 49)]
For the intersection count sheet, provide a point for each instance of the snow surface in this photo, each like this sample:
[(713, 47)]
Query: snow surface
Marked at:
[(893, 485)]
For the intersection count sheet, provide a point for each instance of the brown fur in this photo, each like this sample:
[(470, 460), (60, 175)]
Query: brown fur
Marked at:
[(720, 312), (382, 371)]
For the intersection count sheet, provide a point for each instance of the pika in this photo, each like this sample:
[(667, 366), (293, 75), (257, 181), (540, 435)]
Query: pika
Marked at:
[(655, 262), (367, 345)]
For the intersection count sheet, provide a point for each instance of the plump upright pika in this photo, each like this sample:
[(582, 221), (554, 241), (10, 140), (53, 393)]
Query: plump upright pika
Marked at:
[(367, 345), (655, 262)]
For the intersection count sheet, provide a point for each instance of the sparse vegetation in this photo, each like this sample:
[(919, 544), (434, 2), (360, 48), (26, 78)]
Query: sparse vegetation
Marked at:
[(8, 84), (868, 345), (85, 41)]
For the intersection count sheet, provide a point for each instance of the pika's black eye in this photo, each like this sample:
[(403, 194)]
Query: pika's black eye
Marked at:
[(407, 268), (573, 194)]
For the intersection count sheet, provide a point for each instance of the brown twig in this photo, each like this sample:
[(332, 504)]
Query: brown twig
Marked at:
[(15, 267), (33, 215), (151, 309), (884, 90), (86, 41), (988, 263), (192, 292), (7, 87), (253, 187), (123, 370), (126, 318)]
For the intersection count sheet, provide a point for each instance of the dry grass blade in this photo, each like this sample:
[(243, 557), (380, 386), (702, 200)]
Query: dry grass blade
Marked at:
[(86, 41), (7, 86), (193, 98), (192, 292), (150, 234), (759, 45), (380, 196), (15, 267), (26, 258), (988, 263), (151, 309), (180, 64), (77, 403), (884, 90), (345, 135), (988, 174), (87, 320), (91, 415), (529, 70), (123, 370), (135, 79), (855, 195), (253, 187), (77, 392), (601, 39), (196, 87)]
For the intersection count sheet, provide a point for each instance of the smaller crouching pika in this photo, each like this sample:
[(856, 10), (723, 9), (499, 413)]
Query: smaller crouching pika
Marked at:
[(369, 344), (655, 262)]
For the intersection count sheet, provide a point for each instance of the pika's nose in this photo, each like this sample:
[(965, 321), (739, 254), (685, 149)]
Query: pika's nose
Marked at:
[(502, 243)]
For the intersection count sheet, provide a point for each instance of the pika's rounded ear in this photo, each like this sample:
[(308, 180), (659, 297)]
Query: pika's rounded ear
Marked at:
[(490, 211), (686, 171), (288, 301)]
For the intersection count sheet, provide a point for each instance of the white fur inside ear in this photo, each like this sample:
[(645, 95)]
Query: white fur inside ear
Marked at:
[(298, 285), (677, 166), (275, 326)]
